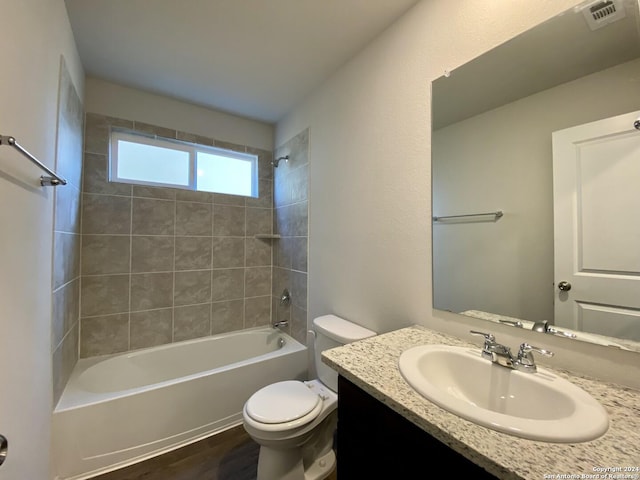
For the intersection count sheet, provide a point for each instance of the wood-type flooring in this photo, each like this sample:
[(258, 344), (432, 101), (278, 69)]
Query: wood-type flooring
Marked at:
[(230, 455)]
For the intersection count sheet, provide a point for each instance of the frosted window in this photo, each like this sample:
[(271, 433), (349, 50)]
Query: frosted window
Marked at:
[(148, 163), (217, 173), (140, 159)]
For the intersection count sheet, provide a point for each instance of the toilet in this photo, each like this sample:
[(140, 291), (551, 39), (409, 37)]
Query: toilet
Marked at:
[(294, 421)]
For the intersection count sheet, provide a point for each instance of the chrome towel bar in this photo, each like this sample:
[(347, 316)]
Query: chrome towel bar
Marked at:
[(53, 180), (497, 215)]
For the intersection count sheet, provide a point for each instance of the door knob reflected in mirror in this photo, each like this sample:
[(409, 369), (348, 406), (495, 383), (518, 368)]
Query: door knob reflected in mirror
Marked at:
[(4, 449), (564, 286)]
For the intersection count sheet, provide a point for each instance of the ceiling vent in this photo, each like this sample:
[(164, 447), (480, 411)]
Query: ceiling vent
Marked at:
[(601, 13)]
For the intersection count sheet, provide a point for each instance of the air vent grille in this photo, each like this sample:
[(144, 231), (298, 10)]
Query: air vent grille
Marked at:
[(602, 13), (603, 10)]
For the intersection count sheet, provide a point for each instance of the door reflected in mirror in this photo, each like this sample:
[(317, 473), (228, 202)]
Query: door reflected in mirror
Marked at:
[(548, 114)]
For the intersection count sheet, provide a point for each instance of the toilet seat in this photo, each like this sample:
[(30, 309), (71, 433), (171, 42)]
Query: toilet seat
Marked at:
[(282, 406)]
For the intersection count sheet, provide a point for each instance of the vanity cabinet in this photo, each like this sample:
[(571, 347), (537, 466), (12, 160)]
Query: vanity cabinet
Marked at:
[(373, 441)]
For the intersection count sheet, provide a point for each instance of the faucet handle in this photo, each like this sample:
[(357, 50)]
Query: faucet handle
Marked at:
[(513, 323), (488, 337), (526, 349), (525, 360), (489, 343)]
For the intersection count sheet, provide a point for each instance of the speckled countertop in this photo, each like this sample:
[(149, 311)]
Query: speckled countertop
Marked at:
[(372, 364)]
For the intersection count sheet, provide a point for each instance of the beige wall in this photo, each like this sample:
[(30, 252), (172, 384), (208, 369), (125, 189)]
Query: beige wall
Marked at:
[(36, 33), (132, 104), (370, 174)]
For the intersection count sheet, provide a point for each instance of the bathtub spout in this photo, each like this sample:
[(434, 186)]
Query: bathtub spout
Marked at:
[(282, 323)]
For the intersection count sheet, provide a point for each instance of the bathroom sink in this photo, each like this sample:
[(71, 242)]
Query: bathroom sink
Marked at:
[(537, 406)]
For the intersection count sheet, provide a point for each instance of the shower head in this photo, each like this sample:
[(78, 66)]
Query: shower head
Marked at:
[(277, 160)]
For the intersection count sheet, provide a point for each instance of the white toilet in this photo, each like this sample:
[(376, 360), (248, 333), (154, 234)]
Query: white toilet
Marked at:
[(294, 422)]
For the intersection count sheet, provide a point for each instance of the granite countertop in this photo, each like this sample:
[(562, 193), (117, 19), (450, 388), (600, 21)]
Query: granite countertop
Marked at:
[(372, 364)]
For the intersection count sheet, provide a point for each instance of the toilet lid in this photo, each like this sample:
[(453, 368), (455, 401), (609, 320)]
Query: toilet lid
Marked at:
[(282, 402)]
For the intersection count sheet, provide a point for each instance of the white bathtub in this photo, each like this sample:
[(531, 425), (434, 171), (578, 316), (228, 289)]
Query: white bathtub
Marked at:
[(119, 409)]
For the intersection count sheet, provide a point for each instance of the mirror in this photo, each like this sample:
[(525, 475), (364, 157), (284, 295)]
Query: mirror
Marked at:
[(496, 226)]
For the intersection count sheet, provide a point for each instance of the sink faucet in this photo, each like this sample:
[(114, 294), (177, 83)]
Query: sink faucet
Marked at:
[(501, 354), (543, 327)]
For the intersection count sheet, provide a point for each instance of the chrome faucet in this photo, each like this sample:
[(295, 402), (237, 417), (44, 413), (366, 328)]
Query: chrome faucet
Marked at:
[(543, 327), (501, 354), (281, 323)]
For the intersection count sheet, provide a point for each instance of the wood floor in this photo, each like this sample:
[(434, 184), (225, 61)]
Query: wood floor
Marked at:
[(230, 455)]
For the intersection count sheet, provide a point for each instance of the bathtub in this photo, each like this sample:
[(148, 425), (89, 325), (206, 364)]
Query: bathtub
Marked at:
[(120, 409)]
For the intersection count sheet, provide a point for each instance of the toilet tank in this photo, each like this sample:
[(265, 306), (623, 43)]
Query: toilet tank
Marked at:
[(332, 331)]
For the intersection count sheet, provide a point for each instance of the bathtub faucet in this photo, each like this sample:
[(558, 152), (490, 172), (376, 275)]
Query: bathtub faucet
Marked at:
[(281, 323)]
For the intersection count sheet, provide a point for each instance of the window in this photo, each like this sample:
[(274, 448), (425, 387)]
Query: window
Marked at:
[(148, 160)]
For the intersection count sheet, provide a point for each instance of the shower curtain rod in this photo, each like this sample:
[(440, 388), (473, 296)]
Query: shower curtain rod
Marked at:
[(53, 180)]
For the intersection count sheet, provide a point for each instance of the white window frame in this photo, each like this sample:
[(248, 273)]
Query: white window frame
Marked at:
[(191, 148)]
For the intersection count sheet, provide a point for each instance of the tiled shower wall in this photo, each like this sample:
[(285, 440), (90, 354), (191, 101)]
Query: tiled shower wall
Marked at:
[(66, 235), (161, 265), (291, 223)]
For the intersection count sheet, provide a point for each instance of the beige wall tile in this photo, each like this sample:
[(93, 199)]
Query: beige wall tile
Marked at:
[(152, 217), (151, 290), (229, 146), (154, 130), (227, 284), (63, 361), (192, 321), (66, 311), (193, 253), (194, 218), (160, 193), (298, 181), (151, 328), (224, 199), (152, 253), (299, 289), (228, 252), (96, 179), (68, 209), (265, 169), (227, 316), (104, 294), (228, 220), (66, 258), (193, 196), (299, 254), (105, 254), (283, 252), (257, 311), (257, 281), (259, 220), (193, 138), (192, 287), (97, 129), (258, 252), (298, 324), (282, 281), (106, 214), (104, 335), (265, 195)]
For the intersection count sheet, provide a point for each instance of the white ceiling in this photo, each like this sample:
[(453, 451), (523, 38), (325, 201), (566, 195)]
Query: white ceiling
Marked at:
[(255, 58)]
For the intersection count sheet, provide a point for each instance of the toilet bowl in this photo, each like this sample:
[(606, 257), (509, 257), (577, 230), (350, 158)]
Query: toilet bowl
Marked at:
[(294, 422)]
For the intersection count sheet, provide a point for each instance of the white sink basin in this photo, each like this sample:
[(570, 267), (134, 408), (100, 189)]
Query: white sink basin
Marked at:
[(538, 406)]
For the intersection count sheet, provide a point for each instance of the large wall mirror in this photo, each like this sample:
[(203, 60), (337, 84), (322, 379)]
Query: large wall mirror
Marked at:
[(536, 179)]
